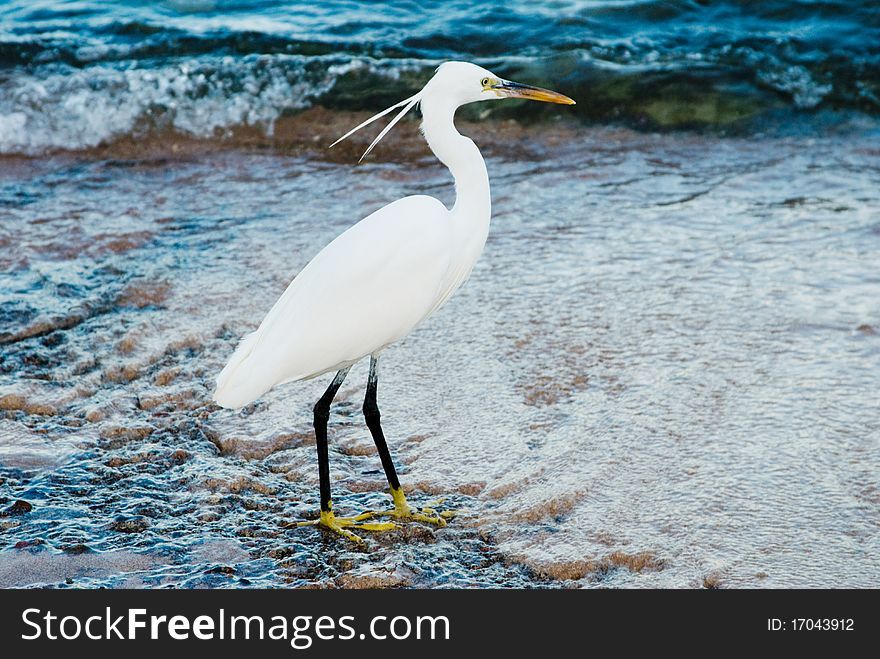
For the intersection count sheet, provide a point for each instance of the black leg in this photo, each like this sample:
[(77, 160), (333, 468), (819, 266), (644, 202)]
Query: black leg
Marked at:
[(371, 415), (322, 416)]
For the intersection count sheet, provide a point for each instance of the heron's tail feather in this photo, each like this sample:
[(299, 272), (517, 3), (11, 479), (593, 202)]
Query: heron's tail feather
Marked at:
[(234, 388)]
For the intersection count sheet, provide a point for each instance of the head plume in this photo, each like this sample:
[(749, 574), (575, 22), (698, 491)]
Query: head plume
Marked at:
[(407, 104)]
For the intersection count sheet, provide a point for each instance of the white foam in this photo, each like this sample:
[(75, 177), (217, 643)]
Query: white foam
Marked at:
[(64, 108)]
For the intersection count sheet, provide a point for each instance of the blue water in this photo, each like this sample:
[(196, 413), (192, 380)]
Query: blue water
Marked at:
[(662, 373), (76, 74)]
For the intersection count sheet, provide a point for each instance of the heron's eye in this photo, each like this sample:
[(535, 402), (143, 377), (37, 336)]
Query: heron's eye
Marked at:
[(485, 82)]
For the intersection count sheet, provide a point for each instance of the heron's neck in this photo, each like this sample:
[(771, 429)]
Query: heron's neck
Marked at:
[(461, 156)]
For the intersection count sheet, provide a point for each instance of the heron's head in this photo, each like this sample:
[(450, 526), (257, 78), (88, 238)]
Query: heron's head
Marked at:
[(463, 82), (458, 83)]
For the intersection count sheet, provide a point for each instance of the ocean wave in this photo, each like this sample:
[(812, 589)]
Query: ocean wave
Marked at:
[(59, 107), (74, 76), (78, 109)]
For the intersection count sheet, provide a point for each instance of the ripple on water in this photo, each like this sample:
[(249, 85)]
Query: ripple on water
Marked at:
[(668, 380)]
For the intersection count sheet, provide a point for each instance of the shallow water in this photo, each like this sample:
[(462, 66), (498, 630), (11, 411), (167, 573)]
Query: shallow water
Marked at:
[(663, 371)]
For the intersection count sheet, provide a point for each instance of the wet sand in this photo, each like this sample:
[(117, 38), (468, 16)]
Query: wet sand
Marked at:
[(663, 371)]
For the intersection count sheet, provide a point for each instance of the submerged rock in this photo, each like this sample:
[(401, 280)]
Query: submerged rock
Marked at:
[(20, 507), (130, 525)]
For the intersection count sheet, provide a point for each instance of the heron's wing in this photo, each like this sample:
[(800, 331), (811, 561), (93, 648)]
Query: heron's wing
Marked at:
[(365, 290)]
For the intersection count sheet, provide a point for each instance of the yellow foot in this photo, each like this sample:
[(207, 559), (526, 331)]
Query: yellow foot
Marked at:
[(340, 525), (404, 513)]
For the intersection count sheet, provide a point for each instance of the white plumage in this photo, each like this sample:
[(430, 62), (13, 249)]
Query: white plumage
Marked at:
[(331, 317), (379, 279)]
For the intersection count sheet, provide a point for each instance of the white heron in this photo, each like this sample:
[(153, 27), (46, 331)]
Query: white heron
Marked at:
[(379, 279)]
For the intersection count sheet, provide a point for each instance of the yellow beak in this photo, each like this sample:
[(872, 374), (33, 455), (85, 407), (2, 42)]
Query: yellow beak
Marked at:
[(510, 89)]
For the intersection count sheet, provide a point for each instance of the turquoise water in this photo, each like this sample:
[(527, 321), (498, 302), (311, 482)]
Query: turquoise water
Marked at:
[(73, 75)]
